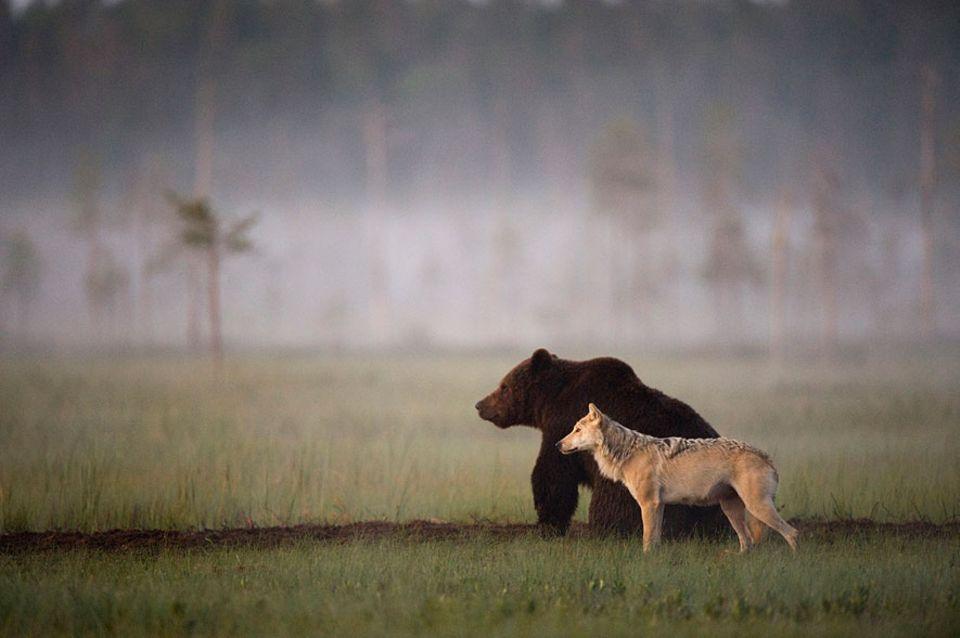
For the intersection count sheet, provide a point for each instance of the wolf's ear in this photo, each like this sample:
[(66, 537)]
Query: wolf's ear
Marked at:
[(541, 360), (598, 416), (592, 411)]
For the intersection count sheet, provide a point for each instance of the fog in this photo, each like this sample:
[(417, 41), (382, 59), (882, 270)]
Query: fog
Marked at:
[(779, 176)]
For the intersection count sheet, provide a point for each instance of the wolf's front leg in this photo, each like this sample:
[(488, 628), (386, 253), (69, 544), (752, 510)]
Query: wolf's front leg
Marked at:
[(652, 513)]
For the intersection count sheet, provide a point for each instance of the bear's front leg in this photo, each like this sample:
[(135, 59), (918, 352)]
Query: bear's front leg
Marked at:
[(612, 509), (555, 478)]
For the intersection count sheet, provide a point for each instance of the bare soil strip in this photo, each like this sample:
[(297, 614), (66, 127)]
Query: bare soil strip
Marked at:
[(136, 539)]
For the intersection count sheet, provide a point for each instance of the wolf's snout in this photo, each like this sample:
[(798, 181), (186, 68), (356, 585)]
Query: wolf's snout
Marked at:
[(559, 445)]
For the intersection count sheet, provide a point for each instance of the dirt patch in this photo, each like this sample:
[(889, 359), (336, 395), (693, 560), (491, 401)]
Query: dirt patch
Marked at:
[(823, 529), (135, 539), (123, 539)]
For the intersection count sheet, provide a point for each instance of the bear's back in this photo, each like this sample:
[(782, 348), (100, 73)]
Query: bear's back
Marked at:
[(614, 387)]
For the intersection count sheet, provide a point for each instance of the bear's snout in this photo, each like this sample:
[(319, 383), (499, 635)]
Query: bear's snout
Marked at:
[(488, 410), (483, 408)]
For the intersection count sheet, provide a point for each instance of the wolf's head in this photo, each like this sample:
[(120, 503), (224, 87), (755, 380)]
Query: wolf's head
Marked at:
[(587, 434)]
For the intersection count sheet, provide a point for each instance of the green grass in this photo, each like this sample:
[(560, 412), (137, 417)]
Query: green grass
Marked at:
[(162, 443), (586, 587)]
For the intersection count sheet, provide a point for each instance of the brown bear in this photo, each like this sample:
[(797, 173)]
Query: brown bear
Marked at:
[(551, 394)]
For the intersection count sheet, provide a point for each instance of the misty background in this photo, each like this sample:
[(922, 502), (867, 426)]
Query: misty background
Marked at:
[(453, 174)]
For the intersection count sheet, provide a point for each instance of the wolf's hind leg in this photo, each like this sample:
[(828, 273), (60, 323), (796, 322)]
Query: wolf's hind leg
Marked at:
[(766, 511), (736, 513), (755, 526)]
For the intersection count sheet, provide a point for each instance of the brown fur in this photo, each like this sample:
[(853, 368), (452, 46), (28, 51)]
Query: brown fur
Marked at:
[(550, 393), (657, 471)]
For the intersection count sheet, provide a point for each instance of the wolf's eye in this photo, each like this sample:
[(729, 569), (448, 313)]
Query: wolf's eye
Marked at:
[(576, 429)]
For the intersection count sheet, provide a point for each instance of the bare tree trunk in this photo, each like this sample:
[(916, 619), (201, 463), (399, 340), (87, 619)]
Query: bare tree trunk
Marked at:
[(204, 149), (203, 136), (614, 283), (127, 329), (375, 149), (146, 310), (213, 303), (94, 310), (144, 300), (552, 156), (928, 167), (827, 220), (203, 177), (778, 277), (202, 181), (886, 318), (140, 249), (193, 303), (284, 178), (827, 283), (23, 320), (205, 100), (722, 306), (500, 158), (666, 142), (152, 179), (503, 310)]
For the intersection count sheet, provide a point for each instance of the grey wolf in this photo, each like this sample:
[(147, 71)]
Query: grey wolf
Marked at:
[(659, 471)]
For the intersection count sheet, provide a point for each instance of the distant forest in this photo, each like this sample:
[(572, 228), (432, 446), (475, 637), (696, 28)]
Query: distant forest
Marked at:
[(503, 94), (465, 173)]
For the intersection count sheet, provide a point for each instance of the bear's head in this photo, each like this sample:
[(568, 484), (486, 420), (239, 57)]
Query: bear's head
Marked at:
[(527, 386)]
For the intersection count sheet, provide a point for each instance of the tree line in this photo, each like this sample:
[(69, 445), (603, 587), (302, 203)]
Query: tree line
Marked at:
[(633, 110)]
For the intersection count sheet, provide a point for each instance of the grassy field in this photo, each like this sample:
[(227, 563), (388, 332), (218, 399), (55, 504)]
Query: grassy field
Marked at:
[(163, 443), (588, 587)]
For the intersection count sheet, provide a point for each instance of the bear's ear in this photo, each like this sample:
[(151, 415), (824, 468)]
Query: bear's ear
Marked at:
[(541, 360)]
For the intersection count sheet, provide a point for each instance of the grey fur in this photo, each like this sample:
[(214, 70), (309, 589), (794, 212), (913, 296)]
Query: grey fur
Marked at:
[(658, 472), (620, 443)]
